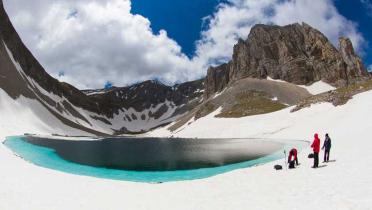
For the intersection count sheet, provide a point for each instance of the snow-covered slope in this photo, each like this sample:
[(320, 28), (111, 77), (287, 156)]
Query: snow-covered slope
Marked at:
[(54, 107), (29, 116), (33, 102), (146, 105), (111, 112), (281, 124), (344, 183), (123, 120), (132, 120)]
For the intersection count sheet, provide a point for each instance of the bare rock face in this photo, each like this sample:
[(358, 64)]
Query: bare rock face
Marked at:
[(354, 65), (217, 78), (294, 53)]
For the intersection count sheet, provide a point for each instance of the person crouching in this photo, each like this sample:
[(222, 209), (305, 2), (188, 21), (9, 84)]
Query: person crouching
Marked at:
[(292, 158)]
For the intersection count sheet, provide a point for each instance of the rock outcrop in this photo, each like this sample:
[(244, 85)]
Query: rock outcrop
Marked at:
[(217, 79), (354, 65), (294, 53)]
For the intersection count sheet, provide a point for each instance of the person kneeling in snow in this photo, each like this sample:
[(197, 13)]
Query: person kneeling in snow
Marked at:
[(292, 158), (316, 149), (326, 147)]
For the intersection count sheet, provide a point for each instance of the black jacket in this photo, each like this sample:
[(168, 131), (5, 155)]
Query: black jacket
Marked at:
[(327, 144)]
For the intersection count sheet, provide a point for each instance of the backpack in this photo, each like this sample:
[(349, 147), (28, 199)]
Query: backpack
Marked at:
[(278, 167)]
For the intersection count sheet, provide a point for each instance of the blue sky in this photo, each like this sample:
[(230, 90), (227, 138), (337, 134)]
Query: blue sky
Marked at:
[(90, 43), (361, 14), (183, 20)]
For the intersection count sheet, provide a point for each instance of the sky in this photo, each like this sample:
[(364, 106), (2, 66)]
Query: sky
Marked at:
[(93, 43), (183, 20)]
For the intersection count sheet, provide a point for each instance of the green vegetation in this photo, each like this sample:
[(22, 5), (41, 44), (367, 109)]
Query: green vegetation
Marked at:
[(251, 103)]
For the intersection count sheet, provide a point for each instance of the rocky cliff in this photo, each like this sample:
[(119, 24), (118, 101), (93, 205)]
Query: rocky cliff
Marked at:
[(294, 53)]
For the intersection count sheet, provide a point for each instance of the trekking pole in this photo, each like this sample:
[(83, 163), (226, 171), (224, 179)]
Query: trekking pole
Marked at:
[(285, 159)]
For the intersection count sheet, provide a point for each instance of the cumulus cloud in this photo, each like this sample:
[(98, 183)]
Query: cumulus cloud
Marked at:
[(89, 43), (235, 20), (93, 42)]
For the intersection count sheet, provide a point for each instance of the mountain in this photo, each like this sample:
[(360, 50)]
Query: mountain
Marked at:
[(280, 86), (276, 67), (143, 95), (149, 104), (295, 53), (132, 109)]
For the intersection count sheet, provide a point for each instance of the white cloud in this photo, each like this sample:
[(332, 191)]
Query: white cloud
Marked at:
[(89, 42), (368, 5), (102, 41), (323, 15), (233, 21), (369, 68)]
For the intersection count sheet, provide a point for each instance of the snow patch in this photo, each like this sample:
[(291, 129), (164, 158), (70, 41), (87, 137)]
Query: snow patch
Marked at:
[(318, 88), (276, 80), (219, 93), (314, 89)]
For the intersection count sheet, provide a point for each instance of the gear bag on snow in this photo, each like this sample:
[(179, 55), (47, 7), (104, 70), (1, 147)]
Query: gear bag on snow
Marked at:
[(278, 167)]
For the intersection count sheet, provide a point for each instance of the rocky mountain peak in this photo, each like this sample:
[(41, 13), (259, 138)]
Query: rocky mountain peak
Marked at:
[(296, 53), (346, 46), (354, 65)]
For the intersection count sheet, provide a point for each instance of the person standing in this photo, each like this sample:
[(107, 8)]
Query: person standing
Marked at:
[(316, 148), (327, 147)]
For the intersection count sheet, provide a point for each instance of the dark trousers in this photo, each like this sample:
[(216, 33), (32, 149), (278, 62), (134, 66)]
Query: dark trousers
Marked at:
[(292, 163), (316, 159), (326, 155)]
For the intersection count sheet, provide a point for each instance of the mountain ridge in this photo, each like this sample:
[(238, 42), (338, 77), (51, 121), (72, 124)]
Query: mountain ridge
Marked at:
[(296, 53), (23, 75)]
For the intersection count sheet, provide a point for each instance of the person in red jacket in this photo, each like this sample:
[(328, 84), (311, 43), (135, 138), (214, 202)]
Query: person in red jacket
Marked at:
[(292, 158), (316, 150)]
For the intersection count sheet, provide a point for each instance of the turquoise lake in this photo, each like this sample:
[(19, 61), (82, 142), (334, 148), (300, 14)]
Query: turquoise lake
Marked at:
[(48, 158)]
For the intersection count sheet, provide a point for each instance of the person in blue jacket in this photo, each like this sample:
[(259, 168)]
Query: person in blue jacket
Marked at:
[(327, 147)]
